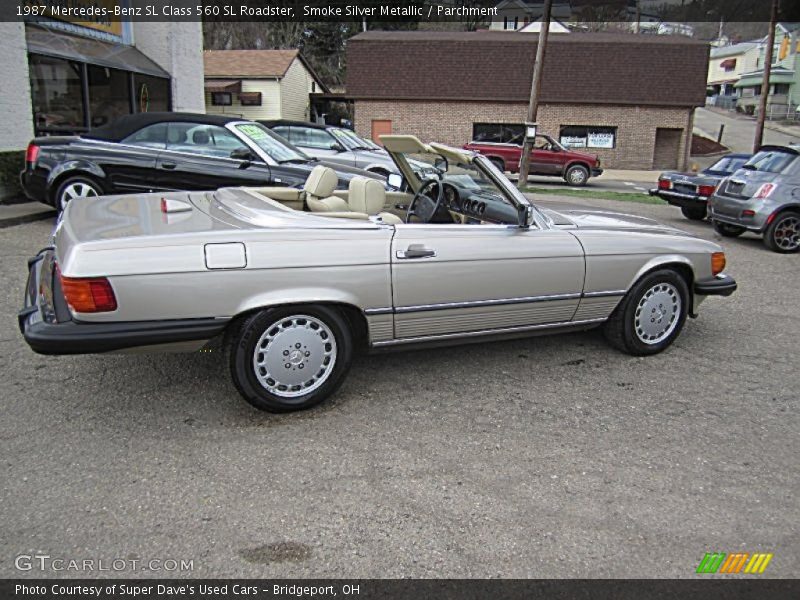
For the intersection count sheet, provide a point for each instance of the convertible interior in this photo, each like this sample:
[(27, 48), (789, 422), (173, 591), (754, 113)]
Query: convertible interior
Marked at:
[(436, 201), (364, 197)]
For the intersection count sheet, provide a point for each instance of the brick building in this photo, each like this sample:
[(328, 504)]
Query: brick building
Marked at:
[(630, 99)]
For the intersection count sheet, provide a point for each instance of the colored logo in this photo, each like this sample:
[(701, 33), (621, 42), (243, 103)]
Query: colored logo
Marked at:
[(738, 562)]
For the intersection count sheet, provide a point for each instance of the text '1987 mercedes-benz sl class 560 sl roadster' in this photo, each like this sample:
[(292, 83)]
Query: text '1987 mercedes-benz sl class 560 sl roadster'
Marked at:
[(292, 281)]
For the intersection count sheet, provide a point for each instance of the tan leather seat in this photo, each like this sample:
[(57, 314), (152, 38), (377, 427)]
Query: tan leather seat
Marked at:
[(319, 187), (369, 196)]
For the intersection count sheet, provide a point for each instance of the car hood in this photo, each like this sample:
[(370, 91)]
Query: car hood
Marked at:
[(608, 220)]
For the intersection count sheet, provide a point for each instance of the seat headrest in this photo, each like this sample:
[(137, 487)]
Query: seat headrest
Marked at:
[(321, 182), (200, 137), (366, 195)]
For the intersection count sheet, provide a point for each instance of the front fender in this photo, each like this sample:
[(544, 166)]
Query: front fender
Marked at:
[(663, 261)]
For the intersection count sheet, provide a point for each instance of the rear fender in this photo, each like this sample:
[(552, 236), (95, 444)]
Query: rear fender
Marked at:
[(309, 295), (75, 167)]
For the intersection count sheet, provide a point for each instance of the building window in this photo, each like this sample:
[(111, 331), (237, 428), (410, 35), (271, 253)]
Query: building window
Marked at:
[(250, 98), (780, 88), (498, 133), (109, 94), (151, 94), (221, 98), (313, 87), (588, 136), (57, 95)]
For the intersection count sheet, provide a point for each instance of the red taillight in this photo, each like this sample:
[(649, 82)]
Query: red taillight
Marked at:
[(764, 191), (706, 190), (32, 153), (88, 294), (748, 213), (664, 184)]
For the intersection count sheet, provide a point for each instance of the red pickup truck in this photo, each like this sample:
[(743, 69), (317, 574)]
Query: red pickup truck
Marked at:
[(547, 158)]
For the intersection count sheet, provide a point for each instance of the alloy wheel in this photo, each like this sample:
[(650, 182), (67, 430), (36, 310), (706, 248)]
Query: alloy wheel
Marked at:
[(657, 313), (295, 356), (787, 233), (79, 189)]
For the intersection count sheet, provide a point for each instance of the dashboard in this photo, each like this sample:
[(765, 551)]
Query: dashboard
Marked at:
[(478, 204)]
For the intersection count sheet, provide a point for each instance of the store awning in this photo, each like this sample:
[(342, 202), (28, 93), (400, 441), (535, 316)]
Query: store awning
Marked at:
[(44, 41), (223, 85)]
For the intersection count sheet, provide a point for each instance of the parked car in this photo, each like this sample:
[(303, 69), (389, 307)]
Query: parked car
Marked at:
[(151, 152), (762, 197), (341, 146), (296, 293), (547, 158), (691, 191), (334, 144)]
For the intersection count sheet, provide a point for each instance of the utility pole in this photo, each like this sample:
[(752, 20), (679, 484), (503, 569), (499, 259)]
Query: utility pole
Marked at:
[(762, 101), (533, 105), (638, 17)]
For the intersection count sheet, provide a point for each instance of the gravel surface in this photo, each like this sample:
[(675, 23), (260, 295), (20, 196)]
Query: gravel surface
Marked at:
[(543, 457)]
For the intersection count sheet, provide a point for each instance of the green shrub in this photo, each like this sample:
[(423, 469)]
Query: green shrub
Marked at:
[(11, 163)]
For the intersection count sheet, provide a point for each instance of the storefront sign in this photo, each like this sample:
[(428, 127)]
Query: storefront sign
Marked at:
[(598, 139), (97, 15), (571, 141)]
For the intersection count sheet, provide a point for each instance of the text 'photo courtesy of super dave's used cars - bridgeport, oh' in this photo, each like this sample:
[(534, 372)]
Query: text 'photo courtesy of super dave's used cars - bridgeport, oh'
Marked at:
[(294, 281)]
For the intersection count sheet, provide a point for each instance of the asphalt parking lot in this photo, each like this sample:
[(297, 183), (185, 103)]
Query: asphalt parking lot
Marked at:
[(544, 457)]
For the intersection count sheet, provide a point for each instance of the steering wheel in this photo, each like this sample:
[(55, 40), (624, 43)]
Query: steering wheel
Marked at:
[(423, 206)]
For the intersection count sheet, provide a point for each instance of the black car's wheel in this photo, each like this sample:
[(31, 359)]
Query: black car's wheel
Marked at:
[(577, 175), (694, 213), (498, 162), (651, 315), (290, 358), (726, 230), (79, 186), (783, 234)]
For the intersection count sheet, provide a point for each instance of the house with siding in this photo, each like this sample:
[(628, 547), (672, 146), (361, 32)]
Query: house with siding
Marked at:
[(260, 84), (629, 99)]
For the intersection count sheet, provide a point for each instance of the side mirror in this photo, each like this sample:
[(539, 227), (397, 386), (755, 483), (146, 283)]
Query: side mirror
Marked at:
[(337, 147), (395, 180), (242, 154)]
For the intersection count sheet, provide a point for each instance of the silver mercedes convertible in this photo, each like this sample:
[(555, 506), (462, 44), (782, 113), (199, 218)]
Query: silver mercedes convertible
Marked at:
[(292, 282)]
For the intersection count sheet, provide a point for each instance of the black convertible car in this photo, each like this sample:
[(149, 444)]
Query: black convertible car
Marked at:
[(691, 191), (152, 152)]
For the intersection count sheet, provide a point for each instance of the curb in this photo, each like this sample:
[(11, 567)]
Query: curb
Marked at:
[(31, 218)]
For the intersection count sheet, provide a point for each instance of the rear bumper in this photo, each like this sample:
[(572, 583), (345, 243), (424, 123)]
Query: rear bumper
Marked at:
[(678, 198), (721, 285), (33, 186), (48, 328)]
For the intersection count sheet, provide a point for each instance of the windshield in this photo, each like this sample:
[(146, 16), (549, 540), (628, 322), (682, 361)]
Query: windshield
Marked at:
[(769, 161), (350, 140), (727, 164), (277, 148)]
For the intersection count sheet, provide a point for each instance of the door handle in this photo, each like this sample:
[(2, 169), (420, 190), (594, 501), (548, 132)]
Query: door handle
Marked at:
[(415, 251), (168, 165)]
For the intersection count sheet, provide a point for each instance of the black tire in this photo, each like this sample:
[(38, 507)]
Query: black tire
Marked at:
[(621, 329), (694, 213), (284, 325), (577, 175), (498, 162), (726, 230), (77, 182), (783, 234)]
